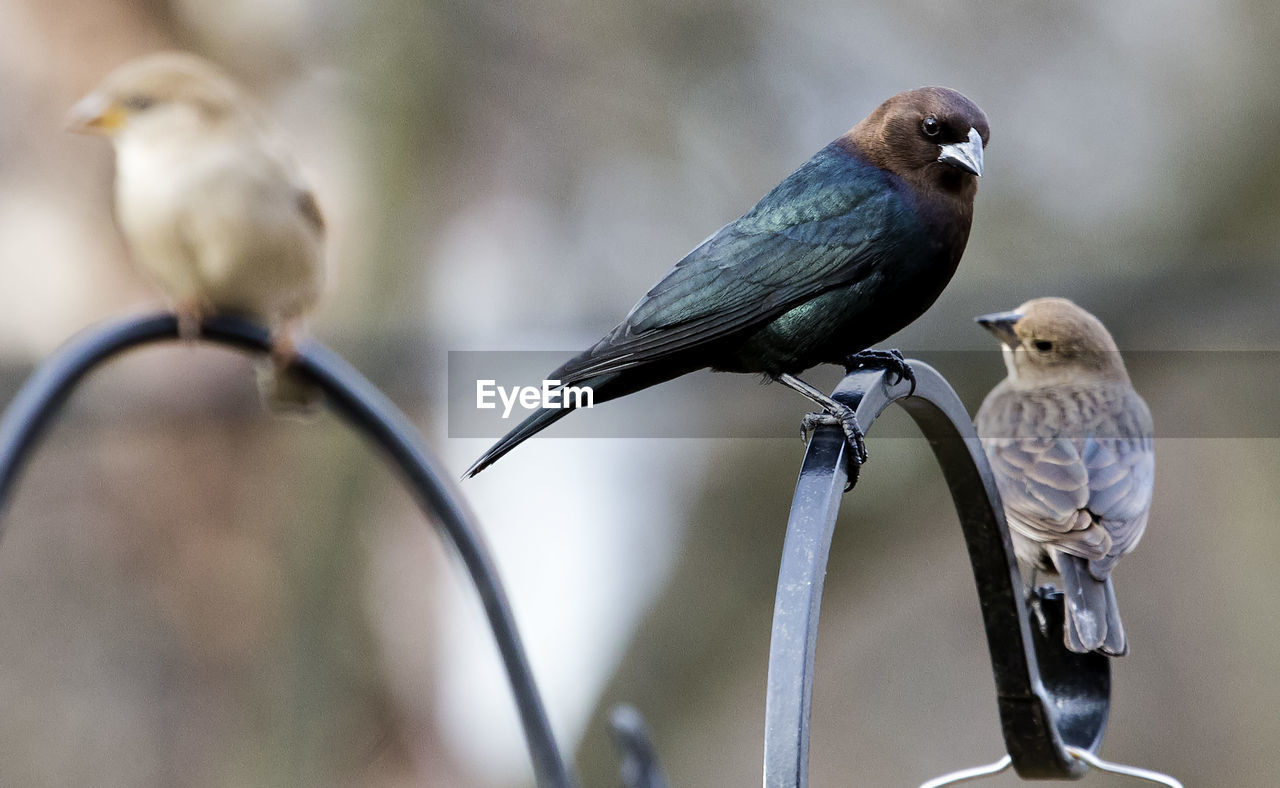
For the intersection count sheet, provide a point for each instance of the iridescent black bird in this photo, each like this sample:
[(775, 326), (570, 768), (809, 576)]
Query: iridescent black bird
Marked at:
[(848, 249)]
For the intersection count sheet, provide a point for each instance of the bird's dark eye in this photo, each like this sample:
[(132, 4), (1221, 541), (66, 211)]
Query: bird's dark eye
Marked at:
[(137, 103), (931, 126), (1043, 345)]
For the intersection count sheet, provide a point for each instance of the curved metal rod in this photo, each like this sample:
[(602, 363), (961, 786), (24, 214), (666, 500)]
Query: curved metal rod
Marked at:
[(1048, 697), (367, 410), (1120, 768), (990, 770), (965, 775), (639, 767)]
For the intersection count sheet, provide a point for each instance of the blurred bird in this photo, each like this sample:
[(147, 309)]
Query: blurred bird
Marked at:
[(210, 205), (845, 251), (1070, 443)]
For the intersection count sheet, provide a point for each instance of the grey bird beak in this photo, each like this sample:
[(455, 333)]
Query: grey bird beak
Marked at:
[(965, 156), (1001, 324)]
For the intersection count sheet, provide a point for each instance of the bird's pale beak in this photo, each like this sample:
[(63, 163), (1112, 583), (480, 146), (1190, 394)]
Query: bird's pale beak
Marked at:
[(95, 114), (1001, 324), (966, 155)]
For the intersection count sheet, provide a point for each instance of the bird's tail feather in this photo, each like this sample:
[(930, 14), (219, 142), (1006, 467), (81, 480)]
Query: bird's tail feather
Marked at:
[(603, 387), (1093, 618), (540, 420), (1115, 643)]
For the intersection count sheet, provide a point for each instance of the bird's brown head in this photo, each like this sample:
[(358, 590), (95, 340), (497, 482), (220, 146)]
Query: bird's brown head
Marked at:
[(170, 88), (1051, 341), (929, 136)]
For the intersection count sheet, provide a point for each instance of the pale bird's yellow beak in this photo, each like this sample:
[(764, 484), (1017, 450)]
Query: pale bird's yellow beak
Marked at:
[(96, 114)]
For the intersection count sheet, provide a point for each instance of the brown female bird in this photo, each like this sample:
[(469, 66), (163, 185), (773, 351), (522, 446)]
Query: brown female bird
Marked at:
[(848, 249), (1070, 444), (208, 201)]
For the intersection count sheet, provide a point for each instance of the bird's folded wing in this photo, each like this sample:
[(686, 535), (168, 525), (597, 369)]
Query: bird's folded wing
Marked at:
[(822, 227), (1121, 472), (1044, 484)]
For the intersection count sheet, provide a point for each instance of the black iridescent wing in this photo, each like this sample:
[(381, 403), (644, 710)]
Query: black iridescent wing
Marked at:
[(824, 226)]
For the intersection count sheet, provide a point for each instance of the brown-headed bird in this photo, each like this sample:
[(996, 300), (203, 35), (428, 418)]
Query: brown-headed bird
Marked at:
[(848, 249), (1070, 443), (209, 202)]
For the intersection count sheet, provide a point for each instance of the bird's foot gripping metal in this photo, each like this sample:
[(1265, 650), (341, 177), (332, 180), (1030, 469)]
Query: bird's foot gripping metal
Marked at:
[(1036, 600), (890, 361), (835, 414), (844, 418)]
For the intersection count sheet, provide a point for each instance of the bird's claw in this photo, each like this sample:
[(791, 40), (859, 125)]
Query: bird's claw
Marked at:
[(190, 315), (284, 346), (1036, 598), (847, 421), (891, 361), (812, 421)]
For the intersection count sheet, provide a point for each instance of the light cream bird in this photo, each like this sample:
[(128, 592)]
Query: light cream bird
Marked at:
[(1070, 444), (210, 204)]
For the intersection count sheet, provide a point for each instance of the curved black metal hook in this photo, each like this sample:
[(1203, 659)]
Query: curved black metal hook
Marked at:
[(639, 767), (367, 410), (1049, 698)]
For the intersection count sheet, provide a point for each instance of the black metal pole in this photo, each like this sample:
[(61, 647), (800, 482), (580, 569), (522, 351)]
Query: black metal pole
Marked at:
[(1048, 697), (367, 410), (789, 691)]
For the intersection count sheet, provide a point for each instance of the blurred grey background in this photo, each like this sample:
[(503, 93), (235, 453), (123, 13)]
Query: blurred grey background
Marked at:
[(193, 593)]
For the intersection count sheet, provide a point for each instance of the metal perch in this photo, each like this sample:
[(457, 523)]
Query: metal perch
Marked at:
[(367, 410), (1049, 699)]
